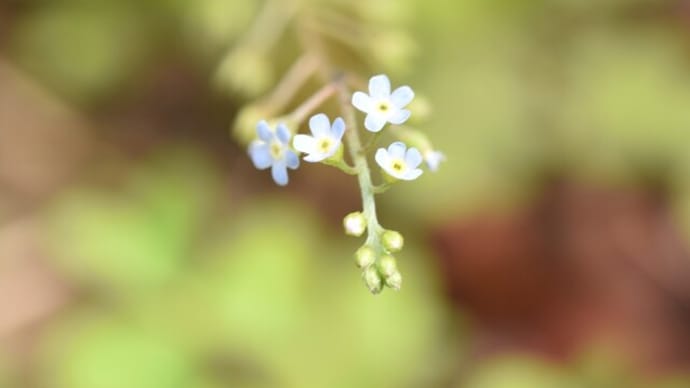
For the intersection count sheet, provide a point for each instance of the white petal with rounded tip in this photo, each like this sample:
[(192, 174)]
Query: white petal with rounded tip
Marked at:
[(397, 150), (362, 101), (382, 158), (264, 131), (374, 122), (304, 143), (279, 173), (338, 128), (413, 158), (399, 117), (291, 160), (412, 174), (379, 86), (316, 157), (320, 125), (260, 154), (283, 133), (402, 96)]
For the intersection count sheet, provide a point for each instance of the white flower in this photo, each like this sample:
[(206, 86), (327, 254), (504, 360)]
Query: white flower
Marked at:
[(271, 150), (324, 141), (433, 159), (400, 162), (382, 106)]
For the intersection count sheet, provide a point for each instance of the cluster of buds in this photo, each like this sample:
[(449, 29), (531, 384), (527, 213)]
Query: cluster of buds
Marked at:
[(279, 148), (378, 265)]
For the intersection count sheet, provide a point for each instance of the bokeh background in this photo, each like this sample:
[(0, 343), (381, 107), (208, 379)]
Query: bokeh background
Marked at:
[(140, 249)]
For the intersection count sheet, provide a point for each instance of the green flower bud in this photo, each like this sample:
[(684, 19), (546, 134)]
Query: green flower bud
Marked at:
[(388, 266), (393, 241), (365, 256), (245, 71), (244, 129), (394, 281), (372, 279), (355, 224)]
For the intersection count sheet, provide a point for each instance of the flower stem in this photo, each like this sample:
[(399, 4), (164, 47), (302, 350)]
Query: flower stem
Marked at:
[(354, 144), (312, 103)]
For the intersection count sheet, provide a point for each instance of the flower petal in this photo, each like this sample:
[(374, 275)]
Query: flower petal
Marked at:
[(283, 133), (319, 125), (260, 154), (338, 128), (382, 158), (315, 157), (399, 117), (379, 86), (402, 96), (304, 143), (411, 175), (374, 123), (362, 101), (413, 158), (291, 159), (264, 131), (397, 150), (279, 173)]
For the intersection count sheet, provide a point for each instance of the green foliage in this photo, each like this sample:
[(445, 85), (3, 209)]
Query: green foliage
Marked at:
[(269, 295), (82, 51), (130, 241)]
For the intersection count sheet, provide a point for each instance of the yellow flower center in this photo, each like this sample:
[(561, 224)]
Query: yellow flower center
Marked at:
[(324, 145), (276, 150), (383, 107), (398, 165)]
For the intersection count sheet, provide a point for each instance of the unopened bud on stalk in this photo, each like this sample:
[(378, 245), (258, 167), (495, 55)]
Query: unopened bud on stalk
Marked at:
[(355, 224), (387, 265), (394, 281), (372, 279), (365, 256), (393, 241)]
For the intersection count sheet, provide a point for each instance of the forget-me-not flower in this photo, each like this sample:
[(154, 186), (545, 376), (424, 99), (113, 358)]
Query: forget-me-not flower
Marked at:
[(272, 150), (400, 162), (382, 106), (325, 139), (433, 159)]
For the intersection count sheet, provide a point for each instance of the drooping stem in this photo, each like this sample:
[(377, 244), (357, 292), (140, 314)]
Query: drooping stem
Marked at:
[(312, 103), (354, 145)]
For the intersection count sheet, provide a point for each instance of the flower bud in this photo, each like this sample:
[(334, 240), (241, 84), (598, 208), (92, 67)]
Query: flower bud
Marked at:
[(387, 265), (394, 281), (355, 224), (372, 279), (244, 129), (245, 71), (393, 241), (365, 256)]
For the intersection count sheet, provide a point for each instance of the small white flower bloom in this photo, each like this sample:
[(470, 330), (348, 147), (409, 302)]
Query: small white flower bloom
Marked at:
[(382, 106), (272, 150), (400, 162), (433, 159), (325, 139)]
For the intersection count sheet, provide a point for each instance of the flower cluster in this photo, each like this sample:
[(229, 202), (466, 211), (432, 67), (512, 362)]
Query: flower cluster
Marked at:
[(278, 149)]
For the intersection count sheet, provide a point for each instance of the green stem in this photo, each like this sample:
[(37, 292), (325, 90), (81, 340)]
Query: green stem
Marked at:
[(354, 144)]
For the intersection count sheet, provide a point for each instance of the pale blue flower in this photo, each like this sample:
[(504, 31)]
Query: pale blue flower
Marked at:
[(325, 139), (433, 159), (382, 106), (400, 162), (272, 150)]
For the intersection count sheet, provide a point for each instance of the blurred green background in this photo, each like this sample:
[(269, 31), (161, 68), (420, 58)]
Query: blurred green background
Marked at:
[(140, 248)]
